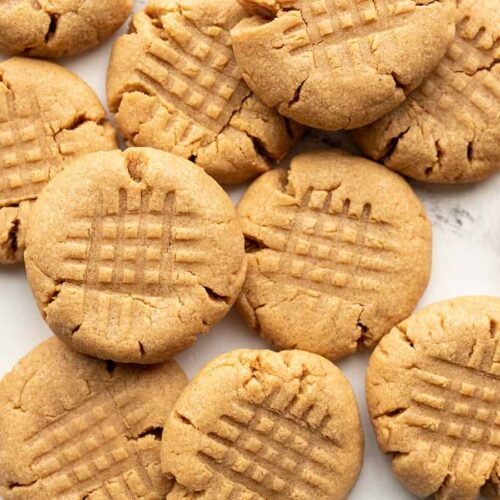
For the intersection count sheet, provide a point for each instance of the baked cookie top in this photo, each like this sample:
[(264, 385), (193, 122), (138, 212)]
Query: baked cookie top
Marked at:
[(132, 254), (58, 28), (174, 85), (433, 388), (339, 251), (47, 116), (340, 64), (75, 427), (260, 424), (448, 130)]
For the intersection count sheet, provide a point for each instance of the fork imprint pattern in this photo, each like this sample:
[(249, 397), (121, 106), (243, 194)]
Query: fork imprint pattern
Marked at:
[(138, 244), (195, 76), (347, 29), (457, 410), (318, 250), (458, 92), (86, 447), (27, 150), (281, 447)]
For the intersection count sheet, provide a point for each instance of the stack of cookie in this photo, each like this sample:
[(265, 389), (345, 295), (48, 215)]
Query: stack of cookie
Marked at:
[(132, 254)]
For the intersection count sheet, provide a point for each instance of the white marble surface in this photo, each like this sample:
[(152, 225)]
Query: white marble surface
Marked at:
[(466, 261)]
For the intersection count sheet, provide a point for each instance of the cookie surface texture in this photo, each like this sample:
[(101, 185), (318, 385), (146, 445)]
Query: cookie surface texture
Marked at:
[(339, 251), (146, 254), (338, 64), (58, 28), (47, 117), (75, 427), (448, 129), (174, 85), (433, 388), (259, 425)]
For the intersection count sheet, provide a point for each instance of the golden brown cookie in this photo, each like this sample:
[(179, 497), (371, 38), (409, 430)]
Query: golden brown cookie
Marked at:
[(338, 64), (264, 425), (48, 115), (132, 254), (74, 427), (56, 28), (339, 251), (448, 130), (433, 388), (174, 85)]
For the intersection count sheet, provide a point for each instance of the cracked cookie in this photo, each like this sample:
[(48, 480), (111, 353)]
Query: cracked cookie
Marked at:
[(433, 388), (174, 85), (56, 28), (75, 427), (131, 255), (448, 130), (339, 251), (334, 64), (259, 424), (48, 116)]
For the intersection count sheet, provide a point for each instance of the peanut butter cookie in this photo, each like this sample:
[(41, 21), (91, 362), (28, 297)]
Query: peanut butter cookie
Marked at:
[(75, 427), (174, 85), (47, 116), (339, 251), (262, 425), (433, 388), (448, 130), (132, 254), (338, 64), (57, 28)]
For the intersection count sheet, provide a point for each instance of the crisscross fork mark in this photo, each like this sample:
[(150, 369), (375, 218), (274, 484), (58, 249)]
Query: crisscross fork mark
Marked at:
[(194, 74), (457, 409), (137, 244), (85, 447), (131, 251), (312, 255), (267, 452), (345, 28), (27, 151), (329, 233), (288, 261), (459, 91)]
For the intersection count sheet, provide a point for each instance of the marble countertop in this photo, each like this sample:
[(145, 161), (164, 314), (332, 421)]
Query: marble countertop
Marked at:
[(466, 261)]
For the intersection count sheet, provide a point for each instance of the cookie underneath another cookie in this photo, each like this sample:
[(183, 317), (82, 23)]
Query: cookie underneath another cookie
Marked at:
[(339, 251), (433, 388), (131, 255), (48, 116), (58, 28), (448, 130), (75, 427), (174, 85), (264, 425)]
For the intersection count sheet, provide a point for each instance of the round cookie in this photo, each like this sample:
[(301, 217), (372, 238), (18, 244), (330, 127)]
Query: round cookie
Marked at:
[(339, 251), (132, 254), (260, 424), (334, 64), (75, 427), (58, 28), (48, 115), (433, 388), (448, 129), (174, 85)]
